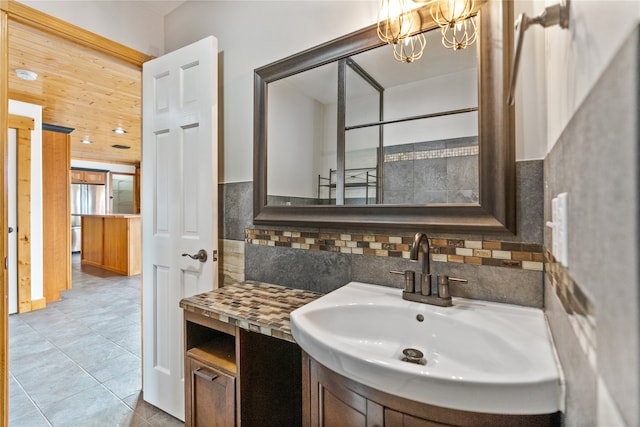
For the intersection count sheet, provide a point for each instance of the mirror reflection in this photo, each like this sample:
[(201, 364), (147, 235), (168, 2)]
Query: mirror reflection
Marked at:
[(371, 130), (122, 193)]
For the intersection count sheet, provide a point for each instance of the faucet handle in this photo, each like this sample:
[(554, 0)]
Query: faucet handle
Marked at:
[(443, 285), (409, 279)]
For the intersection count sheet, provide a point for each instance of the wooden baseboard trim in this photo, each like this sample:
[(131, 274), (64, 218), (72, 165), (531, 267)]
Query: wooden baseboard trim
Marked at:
[(38, 304)]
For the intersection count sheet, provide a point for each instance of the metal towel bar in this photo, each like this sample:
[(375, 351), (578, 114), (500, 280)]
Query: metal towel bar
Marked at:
[(558, 14)]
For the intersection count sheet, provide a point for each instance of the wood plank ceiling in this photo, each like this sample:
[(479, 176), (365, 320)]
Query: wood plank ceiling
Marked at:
[(81, 89)]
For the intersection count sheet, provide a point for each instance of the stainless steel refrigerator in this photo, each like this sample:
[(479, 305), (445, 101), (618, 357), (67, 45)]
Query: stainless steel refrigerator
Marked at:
[(85, 199)]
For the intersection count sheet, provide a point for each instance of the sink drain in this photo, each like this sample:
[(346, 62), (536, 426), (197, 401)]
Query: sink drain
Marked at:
[(413, 355)]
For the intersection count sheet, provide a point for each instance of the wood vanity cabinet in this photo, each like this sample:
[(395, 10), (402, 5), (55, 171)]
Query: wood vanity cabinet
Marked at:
[(331, 400), (212, 395), (235, 377)]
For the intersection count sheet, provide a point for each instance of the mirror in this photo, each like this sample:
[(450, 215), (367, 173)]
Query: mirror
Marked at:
[(410, 135), (347, 136)]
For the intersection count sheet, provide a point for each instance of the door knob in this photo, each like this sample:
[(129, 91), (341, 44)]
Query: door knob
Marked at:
[(10, 229), (200, 256)]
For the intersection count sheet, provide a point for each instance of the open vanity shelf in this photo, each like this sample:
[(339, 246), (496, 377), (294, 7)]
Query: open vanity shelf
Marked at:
[(238, 377), (211, 346), (241, 364)]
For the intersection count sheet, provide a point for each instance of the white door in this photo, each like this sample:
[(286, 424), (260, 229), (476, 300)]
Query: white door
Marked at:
[(179, 207)]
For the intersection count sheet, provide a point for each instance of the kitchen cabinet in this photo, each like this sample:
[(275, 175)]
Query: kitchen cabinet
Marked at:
[(112, 242), (330, 399), (88, 177)]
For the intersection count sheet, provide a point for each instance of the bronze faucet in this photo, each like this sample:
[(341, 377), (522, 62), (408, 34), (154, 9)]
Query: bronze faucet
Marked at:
[(442, 297)]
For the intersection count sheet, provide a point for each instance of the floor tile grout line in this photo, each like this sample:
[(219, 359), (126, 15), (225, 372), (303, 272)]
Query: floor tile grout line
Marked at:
[(35, 405), (43, 335), (45, 338)]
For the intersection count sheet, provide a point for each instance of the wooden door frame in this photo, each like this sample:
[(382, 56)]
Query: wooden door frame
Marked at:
[(24, 126), (10, 10)]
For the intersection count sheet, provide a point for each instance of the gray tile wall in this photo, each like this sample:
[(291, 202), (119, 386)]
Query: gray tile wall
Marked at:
[(324, 271), (436, 180), (596, 162), (235, 209)]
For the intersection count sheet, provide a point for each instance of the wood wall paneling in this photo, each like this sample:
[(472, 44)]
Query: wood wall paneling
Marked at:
[(24, 126), (56, 214), (24, 220), (81, 89), (4, 309), (61, 29)]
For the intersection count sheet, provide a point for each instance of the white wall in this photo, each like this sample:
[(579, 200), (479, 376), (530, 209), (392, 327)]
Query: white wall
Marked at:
[(251, 34), (130, 23), (292, 143), (442, 93), (559, 67), (576, 58), (113, 167), (34, 112), (531, 88)]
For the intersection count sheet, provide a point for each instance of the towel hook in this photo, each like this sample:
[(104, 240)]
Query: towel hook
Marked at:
[(558, 14)]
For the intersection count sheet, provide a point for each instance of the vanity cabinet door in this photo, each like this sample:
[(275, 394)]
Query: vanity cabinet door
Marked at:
[(330, 399), (211, 401), (332, 404), (398, 419)]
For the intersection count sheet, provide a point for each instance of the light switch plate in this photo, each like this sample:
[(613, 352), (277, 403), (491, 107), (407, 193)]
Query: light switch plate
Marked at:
[(563, 228), (559, 225)]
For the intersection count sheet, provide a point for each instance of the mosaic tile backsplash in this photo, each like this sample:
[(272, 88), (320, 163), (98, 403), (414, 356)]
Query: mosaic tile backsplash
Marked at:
[(515, 255), (441, 153), (576, 304)]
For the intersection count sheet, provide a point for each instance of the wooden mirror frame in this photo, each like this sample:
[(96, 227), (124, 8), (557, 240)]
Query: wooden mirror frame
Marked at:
[(495, 211)]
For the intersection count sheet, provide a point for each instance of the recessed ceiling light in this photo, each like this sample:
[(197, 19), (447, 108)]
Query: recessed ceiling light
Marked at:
[(26, 74), (86, 141), (121, 147), (119, 130)]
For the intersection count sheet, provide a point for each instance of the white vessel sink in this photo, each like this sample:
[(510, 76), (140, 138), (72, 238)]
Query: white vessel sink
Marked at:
[(480, 356)]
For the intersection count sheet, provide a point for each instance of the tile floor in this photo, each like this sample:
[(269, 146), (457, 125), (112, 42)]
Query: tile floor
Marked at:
[(77, 362)]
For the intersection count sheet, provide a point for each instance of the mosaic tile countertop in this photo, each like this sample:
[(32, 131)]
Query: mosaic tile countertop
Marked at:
[(254, 306)]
